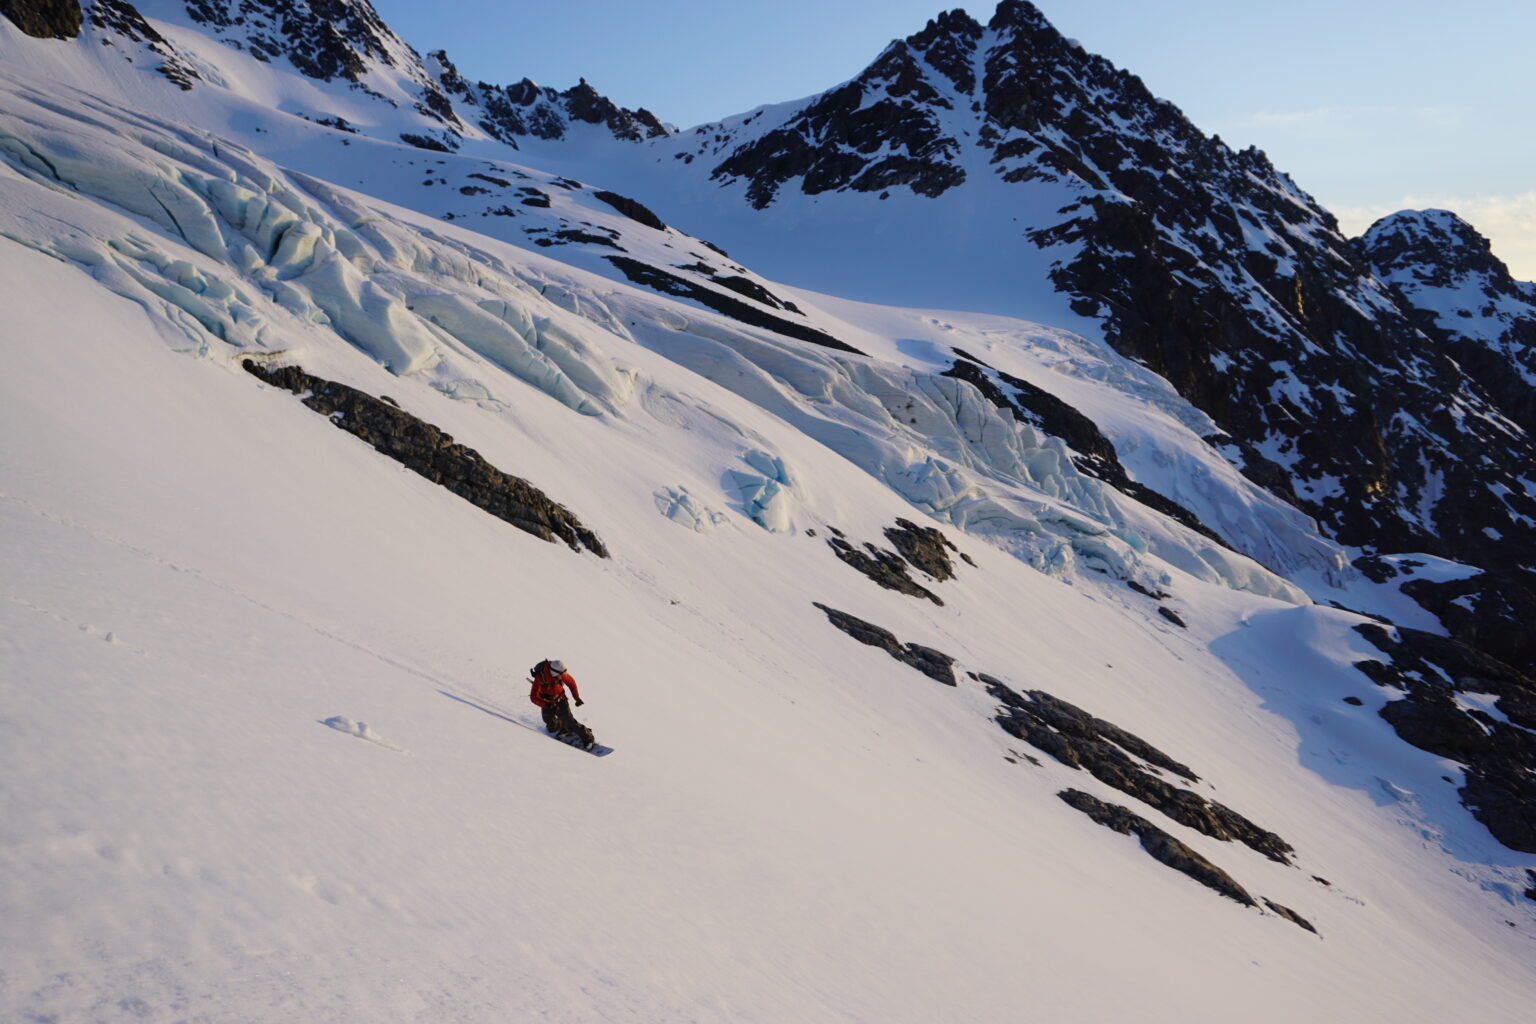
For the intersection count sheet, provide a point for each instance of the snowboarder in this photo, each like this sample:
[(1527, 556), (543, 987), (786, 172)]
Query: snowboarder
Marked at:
[(548, 691)]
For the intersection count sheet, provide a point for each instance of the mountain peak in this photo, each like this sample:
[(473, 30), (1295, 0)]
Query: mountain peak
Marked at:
[(1462, 295), (1020, 14), (1435, 245), (953, 22)]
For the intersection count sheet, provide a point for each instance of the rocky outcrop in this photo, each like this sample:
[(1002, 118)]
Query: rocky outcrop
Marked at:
[(923, 548), (1492, 733), (1124, 761), (1290, 915), (671, 284), (936, 665), (752, 290), (1167, 850), (883, 567), (1164, 848), (844, 141), (568, 236), (428, 142), (588, 105), (632, 209), (426, 450), (322, 40), (124, 21), (44, 19), (1491, 611), (119, 21)]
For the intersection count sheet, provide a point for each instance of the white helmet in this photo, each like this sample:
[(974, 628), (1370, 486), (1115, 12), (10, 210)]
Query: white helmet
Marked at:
[(557, 666)]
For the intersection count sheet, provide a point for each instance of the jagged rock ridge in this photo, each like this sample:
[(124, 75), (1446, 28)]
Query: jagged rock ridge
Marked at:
[(511, 112)]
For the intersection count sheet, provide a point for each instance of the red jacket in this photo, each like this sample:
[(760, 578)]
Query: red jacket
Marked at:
[(549, 688)]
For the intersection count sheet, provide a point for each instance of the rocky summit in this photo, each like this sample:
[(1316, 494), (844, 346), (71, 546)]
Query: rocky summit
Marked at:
[(1462, 296)]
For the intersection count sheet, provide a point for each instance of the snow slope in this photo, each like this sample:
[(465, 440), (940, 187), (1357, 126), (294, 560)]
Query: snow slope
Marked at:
[(203, 579), (794, 827)]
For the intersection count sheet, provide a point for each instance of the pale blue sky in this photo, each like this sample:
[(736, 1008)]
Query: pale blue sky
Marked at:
[(1371, 105)]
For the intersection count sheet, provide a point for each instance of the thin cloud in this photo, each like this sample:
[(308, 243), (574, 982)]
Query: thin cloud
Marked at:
[(1347, 116)]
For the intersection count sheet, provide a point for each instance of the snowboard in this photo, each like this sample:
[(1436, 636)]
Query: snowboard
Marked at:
[(572, 740)]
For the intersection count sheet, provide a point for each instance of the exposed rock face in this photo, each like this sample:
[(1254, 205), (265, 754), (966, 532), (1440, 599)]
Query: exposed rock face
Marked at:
[(424, 449), (1498, 750), (1460, 294), (1163, 847), (1209, 266), (324, 40), (886, 568), (1491, 612), (923, 548), (1110, 754), (842, 142), (426, 142), (926, 547), (527, 109), (936, 665), (1290, 915), (751, 289), (587, 104), (44, 19), (632, 209), (671, 284)]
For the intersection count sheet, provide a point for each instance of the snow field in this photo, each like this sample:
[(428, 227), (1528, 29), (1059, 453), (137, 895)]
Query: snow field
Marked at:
[(793, 826), (200, 573)]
